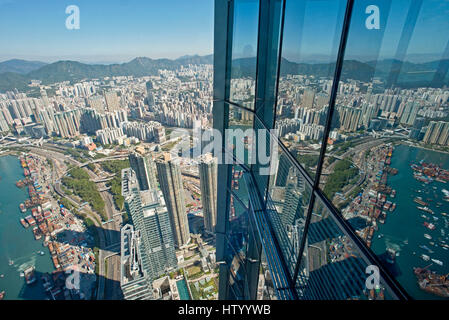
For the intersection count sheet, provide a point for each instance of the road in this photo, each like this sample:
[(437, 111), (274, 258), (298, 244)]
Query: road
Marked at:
[(108, 234)]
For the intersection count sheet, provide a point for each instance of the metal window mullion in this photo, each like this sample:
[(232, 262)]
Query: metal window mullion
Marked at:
[(334, 91)]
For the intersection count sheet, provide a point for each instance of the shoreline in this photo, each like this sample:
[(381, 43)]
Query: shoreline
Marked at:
[(411, 144), (54, 223), (412, 252)]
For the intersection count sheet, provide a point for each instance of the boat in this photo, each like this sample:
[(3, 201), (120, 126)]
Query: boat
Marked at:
[(425, 257), (24, 223), (425, 209), (438, 262), (41, 253), (427, 236), (2, 295), (426, 248), (431, 282), (419, 200), (30, 277), (37, 234), (10, 262), (22, 208), (429, 226)]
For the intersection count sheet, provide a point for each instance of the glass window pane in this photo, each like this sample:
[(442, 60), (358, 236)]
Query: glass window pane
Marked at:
[(239, 134), (386, 162), (312, 32), (332, 267), (244, 51)]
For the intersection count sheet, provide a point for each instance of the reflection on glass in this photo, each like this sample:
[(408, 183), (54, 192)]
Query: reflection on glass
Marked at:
[(311, 38), (239, 135), (386, 163), (332, 267), (244, 50)]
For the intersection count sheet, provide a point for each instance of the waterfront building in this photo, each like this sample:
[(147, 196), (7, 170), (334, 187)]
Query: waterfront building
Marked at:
[(437, 133)]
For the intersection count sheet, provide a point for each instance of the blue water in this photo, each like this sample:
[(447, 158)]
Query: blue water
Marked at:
[(404, 228), (183, 290), (16, 242)]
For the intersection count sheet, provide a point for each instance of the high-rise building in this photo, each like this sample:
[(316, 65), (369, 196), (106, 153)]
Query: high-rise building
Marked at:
[(134, 280), (150, 96), (150, 217), (208, 184), (145, 169), (170, 182), (277, 231), (308, 97), (112, 101), (437, 133)]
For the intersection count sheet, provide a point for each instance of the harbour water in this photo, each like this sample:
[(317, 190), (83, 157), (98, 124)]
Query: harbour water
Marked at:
[(404, 230), (17, 244)]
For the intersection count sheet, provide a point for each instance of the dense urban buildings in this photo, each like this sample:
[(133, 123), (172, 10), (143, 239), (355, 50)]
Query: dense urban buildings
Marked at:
[(339, 158)]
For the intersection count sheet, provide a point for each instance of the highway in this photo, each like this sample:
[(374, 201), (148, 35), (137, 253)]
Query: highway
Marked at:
[(108, 234)]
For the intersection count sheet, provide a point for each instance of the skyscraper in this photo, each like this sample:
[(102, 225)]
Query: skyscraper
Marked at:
[(145, 169), (284, 221), (150, 217), (208, 185), (134, 280), (150, 97), (112, 101), (170, 181)]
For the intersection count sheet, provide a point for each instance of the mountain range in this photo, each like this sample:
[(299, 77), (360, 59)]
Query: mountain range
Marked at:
[(18, 73)]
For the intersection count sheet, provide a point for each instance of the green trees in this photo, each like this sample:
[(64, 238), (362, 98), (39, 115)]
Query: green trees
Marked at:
[(116, 167), (79, 182), (343, 173)]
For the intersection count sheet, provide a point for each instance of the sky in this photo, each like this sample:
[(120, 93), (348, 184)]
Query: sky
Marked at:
[(110, 30), (312, 30), (114, 31)]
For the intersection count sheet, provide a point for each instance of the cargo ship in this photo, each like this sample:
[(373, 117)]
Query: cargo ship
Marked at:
[(30, 277), (425, 209), (30, 220), (419, 200)]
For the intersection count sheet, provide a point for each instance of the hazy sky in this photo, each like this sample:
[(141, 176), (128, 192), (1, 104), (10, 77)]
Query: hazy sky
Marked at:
[(120, 30), (110, 30)]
